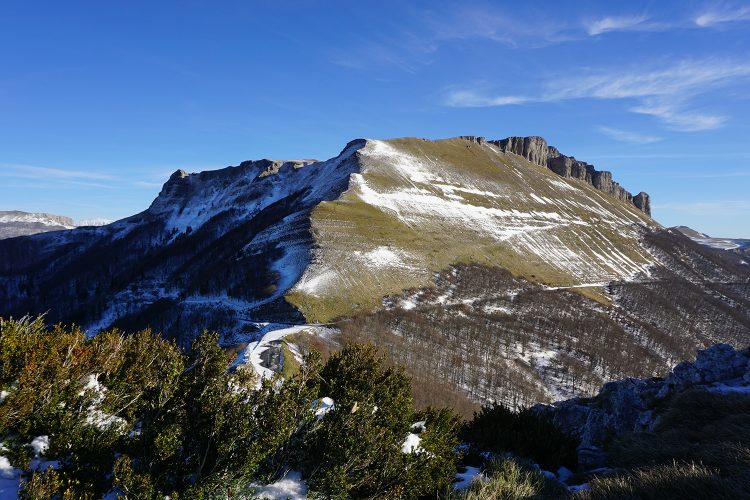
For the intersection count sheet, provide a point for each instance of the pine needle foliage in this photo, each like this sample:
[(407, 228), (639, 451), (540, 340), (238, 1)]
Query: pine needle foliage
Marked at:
[(138, 417)]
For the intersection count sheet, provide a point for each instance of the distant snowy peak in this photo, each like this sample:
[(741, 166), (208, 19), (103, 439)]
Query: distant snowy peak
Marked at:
[(719, 243), (41, 218), (16, 223), (94, 222)]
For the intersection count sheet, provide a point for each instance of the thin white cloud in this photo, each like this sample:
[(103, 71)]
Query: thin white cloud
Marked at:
[(474, 99), (45, 173), (628, 136), (416, 37), (715, 175), (722, 15), (664, 93), (419, 33), (680, 119), (498, 25), (621, 23)]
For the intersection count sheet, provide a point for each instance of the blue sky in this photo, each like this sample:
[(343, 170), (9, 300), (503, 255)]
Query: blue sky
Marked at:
[(101, 101)]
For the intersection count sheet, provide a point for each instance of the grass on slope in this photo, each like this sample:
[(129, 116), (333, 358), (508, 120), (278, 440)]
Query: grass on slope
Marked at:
[(348, 224)]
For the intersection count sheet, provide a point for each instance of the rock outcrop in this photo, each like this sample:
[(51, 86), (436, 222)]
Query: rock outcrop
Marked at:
[(643, 201), (533, 148), (536, 150), (631, 405)]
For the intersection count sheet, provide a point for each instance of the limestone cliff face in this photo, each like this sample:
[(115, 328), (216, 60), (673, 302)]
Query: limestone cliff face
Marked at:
[(643, 201), (567, 166), (533, 148), (536, 150)]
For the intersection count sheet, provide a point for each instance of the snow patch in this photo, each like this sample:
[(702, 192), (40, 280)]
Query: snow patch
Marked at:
[(96, 417), (464, 479), (10, 479), (289, 487), (382, 257), (411, 444), (270, 334), (419, 426), (322, 406), (558, 183), (40, 445)]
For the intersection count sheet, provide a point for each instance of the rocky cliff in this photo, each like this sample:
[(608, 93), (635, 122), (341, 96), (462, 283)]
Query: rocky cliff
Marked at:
[(536, 150), (633, 405)]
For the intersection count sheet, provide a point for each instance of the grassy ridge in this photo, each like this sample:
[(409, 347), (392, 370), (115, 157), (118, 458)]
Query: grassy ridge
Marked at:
[(592, 225)]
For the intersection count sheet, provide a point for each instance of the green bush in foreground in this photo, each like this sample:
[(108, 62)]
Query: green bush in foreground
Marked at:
[(135, 415), (373, 414)]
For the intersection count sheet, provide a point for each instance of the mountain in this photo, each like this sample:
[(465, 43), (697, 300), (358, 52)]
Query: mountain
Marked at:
[(502, 270), (15, 223), (738, 244)]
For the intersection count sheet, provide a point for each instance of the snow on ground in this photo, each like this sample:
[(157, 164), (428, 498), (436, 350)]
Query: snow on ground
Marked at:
[(411, 443), (494, 309), (465, 478), (322, 406), (94, 222), (381, 257), (10, 478), (40, 444), (270, 334), (26, 217), (561, 184), (315, 283), (420, 426), (583, 285), (428, 196), (214, 194), (722, 243), (96, 417), (290, 487)]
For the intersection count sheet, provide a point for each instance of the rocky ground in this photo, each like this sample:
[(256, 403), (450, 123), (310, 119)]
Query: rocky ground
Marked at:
[(636, 405)]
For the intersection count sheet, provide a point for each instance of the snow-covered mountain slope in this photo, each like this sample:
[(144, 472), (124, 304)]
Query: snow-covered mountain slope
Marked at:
[(720, 243), (312, 241), (15, 223), (215, 250), (501, 338), (417, 206)]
